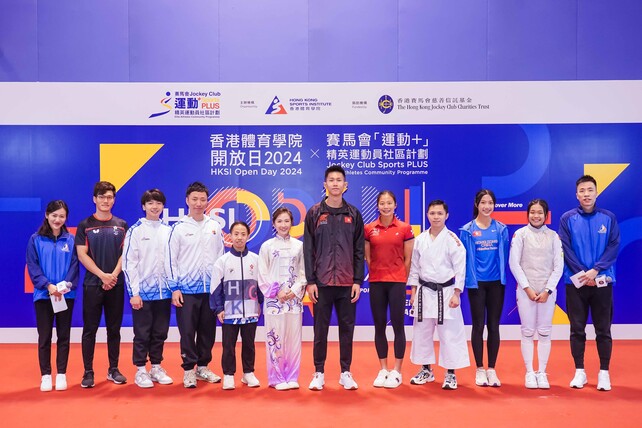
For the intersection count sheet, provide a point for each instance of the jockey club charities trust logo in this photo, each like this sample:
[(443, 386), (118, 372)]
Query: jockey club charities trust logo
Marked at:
[(190, 104), (385, 104), (276, 107)]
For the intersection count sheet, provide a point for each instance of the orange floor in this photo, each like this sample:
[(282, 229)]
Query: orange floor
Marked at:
[(127, 405)]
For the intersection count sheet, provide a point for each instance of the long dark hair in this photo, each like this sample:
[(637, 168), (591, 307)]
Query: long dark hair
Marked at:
[(52, 206), (478, 198)]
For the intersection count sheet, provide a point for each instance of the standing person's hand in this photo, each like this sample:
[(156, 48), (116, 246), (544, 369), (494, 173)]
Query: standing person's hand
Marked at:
[(313, 292), (356, 291)]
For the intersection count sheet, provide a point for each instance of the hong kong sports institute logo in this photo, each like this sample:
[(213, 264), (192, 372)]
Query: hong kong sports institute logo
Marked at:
[(276, 107), (385, 104)]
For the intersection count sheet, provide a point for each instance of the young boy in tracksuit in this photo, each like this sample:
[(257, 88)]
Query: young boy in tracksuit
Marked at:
[(236, 300), (150, 296)]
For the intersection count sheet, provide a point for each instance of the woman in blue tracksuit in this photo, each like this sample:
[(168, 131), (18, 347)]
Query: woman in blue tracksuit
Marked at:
[(486, 243), (52, 264)]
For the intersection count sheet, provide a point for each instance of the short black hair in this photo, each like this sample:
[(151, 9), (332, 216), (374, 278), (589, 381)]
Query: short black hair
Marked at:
[(196, 186), (585, 179), (335, 168), (103, 187), (240, 223), (540, 202), (386, 192), (436, 202), (277, 212), (153, 195)]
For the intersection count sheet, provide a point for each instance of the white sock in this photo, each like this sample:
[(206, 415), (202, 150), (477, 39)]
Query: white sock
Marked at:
[(543, 351), (527, 352)]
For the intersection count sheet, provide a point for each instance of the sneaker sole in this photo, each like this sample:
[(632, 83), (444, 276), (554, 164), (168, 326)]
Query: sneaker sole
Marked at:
[(207, 380), (87, 386), (448, 388), (163, 382), (145, 386), (314, 388), (244, 382), (414, 382), (115, 381), (61, 389), (189, 386), (348, 388)]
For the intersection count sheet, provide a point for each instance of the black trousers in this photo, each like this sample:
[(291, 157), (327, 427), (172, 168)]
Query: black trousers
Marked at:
[(384, 295), (45, 322), (197, 326), (151, 324), (248, 350), (486, 304), (599, 301), (339, 297), (95, 300)]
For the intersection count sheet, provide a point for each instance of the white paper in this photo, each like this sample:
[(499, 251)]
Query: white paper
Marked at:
[(600, 281), (575, 279), (58, 305)]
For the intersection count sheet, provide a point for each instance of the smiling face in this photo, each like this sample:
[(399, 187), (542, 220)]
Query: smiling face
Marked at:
[(486, 206), (153, 209), (335, 184), (56, 220), (386, 205), (283, 224), (105, 202), (196, 204), (239, 237), (536, 216), (586, 194)]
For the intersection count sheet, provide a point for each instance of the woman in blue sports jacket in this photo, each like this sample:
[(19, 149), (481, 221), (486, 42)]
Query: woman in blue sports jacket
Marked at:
[(52, 264), (486, 242)]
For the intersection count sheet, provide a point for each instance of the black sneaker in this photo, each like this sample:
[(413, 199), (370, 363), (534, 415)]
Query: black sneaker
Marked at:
[(116, 376), (88, 379)]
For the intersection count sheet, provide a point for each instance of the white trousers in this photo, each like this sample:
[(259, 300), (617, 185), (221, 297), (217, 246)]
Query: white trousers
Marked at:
[(283, 347), (535, 318), (453, 348)]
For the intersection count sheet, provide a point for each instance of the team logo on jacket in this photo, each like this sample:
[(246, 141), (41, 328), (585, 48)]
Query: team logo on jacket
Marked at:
[(375, 232), (96, 231), (347, 219), (602, 229), (477, 233), (116, 230), (65, 248), (323, 219)]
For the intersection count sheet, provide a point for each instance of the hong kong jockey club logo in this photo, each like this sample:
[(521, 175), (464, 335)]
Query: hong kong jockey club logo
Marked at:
[(276, 107), (385, 104), (165, 102)]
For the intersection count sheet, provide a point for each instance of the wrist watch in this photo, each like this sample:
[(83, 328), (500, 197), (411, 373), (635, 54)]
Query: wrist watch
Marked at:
[(549, 291)]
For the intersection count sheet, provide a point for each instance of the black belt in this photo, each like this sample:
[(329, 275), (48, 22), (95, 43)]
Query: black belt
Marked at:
[(440, 298)]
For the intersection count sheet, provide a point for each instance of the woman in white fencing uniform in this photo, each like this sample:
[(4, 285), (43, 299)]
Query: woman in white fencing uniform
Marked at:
[(537, 262)]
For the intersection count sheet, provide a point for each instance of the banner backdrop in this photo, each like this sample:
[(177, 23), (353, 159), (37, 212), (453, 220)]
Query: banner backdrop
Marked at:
[(258, 147)]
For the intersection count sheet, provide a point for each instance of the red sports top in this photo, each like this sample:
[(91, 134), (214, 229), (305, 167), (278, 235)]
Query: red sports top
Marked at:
[(386, 250)]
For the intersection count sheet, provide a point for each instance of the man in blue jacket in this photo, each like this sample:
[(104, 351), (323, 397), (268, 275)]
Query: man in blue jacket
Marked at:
[(591, 239)]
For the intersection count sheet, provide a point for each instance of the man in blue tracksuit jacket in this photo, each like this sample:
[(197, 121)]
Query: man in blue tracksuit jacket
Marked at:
[(591, 240)]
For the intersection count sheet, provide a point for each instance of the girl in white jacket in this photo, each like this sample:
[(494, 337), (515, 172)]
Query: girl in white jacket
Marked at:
[(537, 262)]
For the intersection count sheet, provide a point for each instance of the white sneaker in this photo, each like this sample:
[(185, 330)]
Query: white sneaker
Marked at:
[(45, 383), (283, 386), (450, 382), (579, 380), (347, 381), (293, 384), (493, 380), (603, 381), (531, 380), (480, 377), (143, 379), (424, 376), (61, 382), (542, 381), (228, 382), (318, 380), (250, 380), (158, 374), (393, 380), (204, 373), (380, 379), (189, 379)]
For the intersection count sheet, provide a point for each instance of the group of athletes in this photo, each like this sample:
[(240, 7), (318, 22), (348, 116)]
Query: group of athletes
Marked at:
[(186, 266)]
